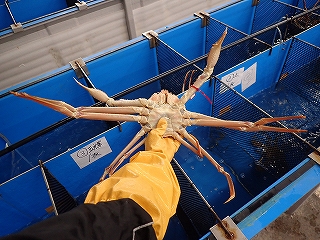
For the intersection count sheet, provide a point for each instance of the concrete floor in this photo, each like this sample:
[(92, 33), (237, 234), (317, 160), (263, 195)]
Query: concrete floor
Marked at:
[(304, 223)]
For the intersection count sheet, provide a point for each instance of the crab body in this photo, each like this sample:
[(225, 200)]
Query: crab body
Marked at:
[(166, 105)]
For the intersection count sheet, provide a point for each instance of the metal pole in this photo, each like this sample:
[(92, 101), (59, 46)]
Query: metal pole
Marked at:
[(85, 75), (129, 19), (9, 10), (48, 187)]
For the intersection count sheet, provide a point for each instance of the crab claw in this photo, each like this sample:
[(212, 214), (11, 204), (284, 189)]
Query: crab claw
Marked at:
[(212, 60), (214, 54)]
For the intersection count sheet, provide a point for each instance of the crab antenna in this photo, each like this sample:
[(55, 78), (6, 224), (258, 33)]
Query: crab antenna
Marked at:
[(212, 59)]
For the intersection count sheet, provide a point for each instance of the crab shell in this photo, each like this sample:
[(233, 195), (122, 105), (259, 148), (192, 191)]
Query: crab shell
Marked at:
[(168, 106)]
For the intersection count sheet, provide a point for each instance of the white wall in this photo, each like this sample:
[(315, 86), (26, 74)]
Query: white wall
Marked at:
[(159, 13), (43, 48)]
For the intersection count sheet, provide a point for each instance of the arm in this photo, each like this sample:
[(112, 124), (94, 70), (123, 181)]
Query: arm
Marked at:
[(148, 179), (138, 200)]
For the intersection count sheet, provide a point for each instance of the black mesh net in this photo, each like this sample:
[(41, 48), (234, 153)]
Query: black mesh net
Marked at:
[(307, 4), (300, 79), (269, 13), (297, 93), (237, 46), (274, 152), (48, 145), (216, 28), (191, 203), (238, 53), (252, 157), (61, 198), (169, 59)]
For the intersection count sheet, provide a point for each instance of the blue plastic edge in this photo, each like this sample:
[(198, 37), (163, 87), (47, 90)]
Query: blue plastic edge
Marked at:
[(279, 203), (48, 17)]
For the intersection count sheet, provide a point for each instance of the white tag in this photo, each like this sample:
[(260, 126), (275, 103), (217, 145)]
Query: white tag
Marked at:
[(249, 77), (92, 152), (232, 79)]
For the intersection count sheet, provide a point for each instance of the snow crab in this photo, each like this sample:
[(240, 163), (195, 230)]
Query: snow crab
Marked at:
[(147, 113)]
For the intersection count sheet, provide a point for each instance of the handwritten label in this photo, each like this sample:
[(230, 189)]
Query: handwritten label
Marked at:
[(92, 152), (249, 77), (232, 79)]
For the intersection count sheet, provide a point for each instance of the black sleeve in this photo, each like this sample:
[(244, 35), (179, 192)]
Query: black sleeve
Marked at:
[(105, 220)]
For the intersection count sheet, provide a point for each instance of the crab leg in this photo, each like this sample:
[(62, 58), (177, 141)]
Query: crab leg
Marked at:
[(113, 168), (208, 70), (120, 110), (59, 106), (103, 97), (259, 125), (123, 154), (245, 126), (71, 111), (218, 167), (111, 117), (186, 144), (226, 174)]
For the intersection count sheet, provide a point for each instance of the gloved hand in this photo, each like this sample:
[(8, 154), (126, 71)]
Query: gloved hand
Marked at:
[(148, 179), (156, 143)]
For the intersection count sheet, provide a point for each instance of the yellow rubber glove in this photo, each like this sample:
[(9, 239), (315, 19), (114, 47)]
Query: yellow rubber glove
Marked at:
[(148, 179)]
